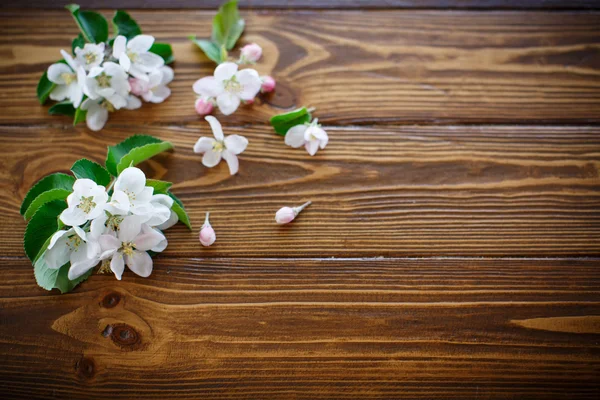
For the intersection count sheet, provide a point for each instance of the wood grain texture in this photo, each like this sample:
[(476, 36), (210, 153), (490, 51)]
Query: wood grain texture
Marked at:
[(393, 67), (307, 329), (390, 191), (317, 4)]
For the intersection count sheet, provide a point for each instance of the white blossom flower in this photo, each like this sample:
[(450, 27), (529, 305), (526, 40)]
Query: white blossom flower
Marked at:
[(85, 203), (98, 110), (311, 136), (90, 56), (69, 79), (74, 246), (229, 86), (135, 56), (220, 147), (130, 247), (155, 89), (110, 82)]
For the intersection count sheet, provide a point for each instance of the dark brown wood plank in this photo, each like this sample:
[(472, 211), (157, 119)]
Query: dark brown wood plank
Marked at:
[(395, 67), (319, 4), (307, 329), (389, 191)]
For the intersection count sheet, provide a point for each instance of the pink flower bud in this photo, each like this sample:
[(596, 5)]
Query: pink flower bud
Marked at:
[(268, 84), (138, 86), (286, 215), (207, 233), (248, 102), (203, 106), (251, 53)]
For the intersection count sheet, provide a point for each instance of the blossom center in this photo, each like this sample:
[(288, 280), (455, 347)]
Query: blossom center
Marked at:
[(103, 80), (107, 105), (105, 267), (86, 204), (68, 78), (90, 58), (127, 248), (132, 56), (74, 242), (130, 195), (113, 221), (218, 146), (232, 85)]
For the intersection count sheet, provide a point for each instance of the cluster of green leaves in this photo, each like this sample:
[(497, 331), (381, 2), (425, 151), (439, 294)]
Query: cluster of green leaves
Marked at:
[(227, 27), (94, 29), (46, 200), (283, 122)]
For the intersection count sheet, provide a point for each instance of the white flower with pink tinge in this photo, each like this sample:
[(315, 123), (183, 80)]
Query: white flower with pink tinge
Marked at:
[(155, 89), (220, 147), (229, 86), (311, 136)]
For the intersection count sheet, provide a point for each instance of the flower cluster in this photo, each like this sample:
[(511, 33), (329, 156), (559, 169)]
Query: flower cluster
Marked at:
[(102, 75)]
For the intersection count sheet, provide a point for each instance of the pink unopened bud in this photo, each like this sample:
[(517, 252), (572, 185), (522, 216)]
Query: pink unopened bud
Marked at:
[(268, 84), (203, 106), (207, 233), (138, 86), (251, 52), (286, 215)]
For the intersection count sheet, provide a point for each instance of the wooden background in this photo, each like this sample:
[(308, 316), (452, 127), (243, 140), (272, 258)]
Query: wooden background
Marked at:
[(452, 250)]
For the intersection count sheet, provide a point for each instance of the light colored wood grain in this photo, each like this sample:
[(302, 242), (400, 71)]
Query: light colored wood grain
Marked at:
[(392, 67)]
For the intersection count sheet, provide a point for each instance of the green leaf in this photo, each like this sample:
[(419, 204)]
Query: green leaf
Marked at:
[(125, 25), (79, 41), (80, 114), (211, 50), (160, 187), (92, 25), (283, 122), (49, 278), (133, 150), (53, 181), (48, 196), (63, 108), (85, 168), (227, 25), (44, 88), (42, 226), (164, 50), (179, 209)]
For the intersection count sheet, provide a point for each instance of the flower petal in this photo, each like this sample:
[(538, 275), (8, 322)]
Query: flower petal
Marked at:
[(140, 43), (119, 46), (173, 218), (129, 228), (117, 265), (133, 102), (208, 87), (69, 59), (109, 243), (124, 61), (59, 93), (295, 136), (73, 216), (211, 158), (80, 263), (147, 240), (228, 103), (140, 263), (225, 71), (55, 72), (58, 252), (167, 75), (232, 161), (251, 83), (96, 117), (236, 143), (312, 147), (149, 62), (131, 180), (215, 126), (204, 144), (159, 94)]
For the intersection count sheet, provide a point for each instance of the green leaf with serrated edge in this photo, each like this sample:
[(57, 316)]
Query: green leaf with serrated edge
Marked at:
[(92, 25), (53, 194), (227, 25), (79, 41), (87, 169), (136, 149), (42, 225), (49, 279), (210, 49), (160, 187), (179, 209), (124, 25), (62, 108), (44, 88), (53, 181), (283, 122), (164, 50)]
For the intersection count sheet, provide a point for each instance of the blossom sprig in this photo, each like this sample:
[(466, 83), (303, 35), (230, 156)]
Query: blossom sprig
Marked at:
[(110, 216), (221, 147), (102, 74), (300, 130)]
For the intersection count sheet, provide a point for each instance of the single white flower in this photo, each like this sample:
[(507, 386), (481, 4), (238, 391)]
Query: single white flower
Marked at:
[(85, 203), (311, 136), (130, 247), (90, 56), (229, 86), (69, 79), (155, 89), (220, 147), (135, 56), (110, 82), (74, 246)]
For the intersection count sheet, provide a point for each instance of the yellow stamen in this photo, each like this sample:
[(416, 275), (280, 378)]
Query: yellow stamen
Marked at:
[(86, 204)]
